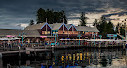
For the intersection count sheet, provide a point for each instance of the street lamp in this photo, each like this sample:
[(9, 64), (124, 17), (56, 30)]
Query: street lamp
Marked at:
[(56, 35), (94, 37), (22, 37), (79, 35)]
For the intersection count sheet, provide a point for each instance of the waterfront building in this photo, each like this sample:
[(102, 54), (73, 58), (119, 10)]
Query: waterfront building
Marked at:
[(88, 32), (45, 32)]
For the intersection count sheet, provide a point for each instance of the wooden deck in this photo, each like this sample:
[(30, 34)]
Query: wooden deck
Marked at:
[(23, 51), (84, 43), (49, 48)]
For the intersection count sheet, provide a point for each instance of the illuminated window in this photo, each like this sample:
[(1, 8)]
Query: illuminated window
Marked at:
[(45, 32), (53, 32), (48, 32)]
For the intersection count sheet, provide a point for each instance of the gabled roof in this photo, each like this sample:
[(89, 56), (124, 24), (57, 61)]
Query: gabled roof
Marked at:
[(73, 26), (45, 24), (16, 32), (56, 26), (51, 25), (68, 26), (31, 33), (87, 29), (35, 26)]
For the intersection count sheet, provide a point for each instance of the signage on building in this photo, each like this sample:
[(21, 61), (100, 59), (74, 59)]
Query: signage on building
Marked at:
[(111, 35), (79, 35), (100, 35)]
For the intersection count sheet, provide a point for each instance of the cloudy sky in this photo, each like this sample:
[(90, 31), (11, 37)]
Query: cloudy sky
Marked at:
[(15, 12)]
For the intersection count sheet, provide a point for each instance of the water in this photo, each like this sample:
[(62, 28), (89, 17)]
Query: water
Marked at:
[(73, 58)]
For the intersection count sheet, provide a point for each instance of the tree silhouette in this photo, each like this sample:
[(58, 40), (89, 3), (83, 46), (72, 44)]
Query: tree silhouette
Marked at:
[(51, 15), (110, 28), (83, 19), (95, 23), (31, 22)]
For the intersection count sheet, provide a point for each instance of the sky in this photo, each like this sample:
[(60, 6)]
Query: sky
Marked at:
[(16, 14)]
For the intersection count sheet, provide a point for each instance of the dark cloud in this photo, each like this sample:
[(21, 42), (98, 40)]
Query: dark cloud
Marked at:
[(21, 11), (119, 14)]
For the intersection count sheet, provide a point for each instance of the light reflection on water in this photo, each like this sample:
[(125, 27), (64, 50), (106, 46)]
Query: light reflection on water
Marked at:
[(83, 57)]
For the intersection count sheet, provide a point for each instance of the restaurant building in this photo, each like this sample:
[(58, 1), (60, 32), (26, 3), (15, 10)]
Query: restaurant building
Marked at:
[(45, 32)]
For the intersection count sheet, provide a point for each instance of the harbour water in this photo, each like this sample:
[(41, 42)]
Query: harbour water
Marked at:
[(73, 58)]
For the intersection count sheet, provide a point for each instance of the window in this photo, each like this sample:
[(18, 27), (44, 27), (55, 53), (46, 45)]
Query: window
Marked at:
[(48, 32), (45, 32), (53, 32)]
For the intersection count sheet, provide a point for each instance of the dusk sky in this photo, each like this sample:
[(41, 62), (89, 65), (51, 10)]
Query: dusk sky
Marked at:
[(14, 12)]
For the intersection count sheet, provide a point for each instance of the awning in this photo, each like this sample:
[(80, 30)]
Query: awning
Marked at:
[(73, 39), (9, 38), (104, 40)]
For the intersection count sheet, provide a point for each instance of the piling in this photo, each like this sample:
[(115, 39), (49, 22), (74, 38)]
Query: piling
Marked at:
[(0, 55)]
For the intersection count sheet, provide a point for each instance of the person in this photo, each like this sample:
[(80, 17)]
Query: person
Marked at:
[(19, 47), (55, 43)]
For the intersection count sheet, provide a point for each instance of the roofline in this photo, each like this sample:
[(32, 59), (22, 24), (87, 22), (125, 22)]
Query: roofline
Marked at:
[(71, 26), (88, 31), (46, 24), (61, 26)]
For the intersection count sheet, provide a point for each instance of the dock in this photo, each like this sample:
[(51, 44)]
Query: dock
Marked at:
[(66, 43)]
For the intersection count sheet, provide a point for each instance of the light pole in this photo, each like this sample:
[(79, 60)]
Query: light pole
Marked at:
[(56, 35), (22, 37), (55, 38), (79, 38)]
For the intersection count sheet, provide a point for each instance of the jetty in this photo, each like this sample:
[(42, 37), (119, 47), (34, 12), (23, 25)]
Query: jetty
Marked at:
[(62, 44)]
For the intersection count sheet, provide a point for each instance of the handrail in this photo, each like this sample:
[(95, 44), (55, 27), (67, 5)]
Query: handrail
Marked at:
[(121, 36)]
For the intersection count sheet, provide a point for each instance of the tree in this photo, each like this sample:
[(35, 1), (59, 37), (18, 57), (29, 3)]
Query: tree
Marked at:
[(64, 17), (102, 27), (110, 28), (117, 28), (122, 30), (41, 16), (83, 19), (95, 23), (51, 15), (31, 22)]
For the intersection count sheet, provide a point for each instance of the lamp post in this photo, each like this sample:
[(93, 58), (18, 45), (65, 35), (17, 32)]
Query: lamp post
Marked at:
[(55, 38), (22, 37), (79, 38), (56, 35)]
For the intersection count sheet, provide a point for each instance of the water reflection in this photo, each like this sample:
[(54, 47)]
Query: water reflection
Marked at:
[(85, 57)]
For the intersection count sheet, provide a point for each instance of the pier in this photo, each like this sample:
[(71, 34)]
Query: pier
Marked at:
[(62, 44)]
